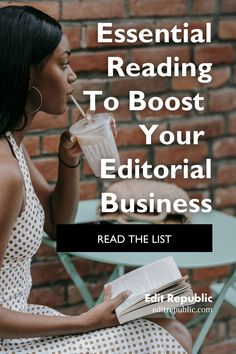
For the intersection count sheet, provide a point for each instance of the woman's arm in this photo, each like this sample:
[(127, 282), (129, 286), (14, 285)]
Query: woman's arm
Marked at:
[(15, 324), (59, 203), (12, 199)]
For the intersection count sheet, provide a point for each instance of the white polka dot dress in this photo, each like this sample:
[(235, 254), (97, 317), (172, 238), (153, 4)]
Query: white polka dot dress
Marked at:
[(140, 336)]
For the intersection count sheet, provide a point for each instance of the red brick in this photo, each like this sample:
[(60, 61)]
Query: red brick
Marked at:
[(175, 154), (225, 347), (32, 145), (148, 114), (225, 148), (88, 85), (226, 312), (158, 55), (88, 9), (88, 190), (52, 296), (220, 76), (199, 23), (51, 143), (100, 267), (227, 29), (50, 7), (91, 35), (95, 289), (226, 174), (232, 124), (212, 273), (140, 154), (83, 266), (96, 61), (200, 289), (225, 197), (48, 167), (214, 53), (216, 332), (121, 87), (232, 328), (204, 7), (74, 35), (189, 183), (228, 6), (213, 127), (130, 135), (184, 317), (76, 115), (121, 114), (87, 171), (157, 8), (46, 252), (90, 40), (73, 295), (198, 195), (45, 272), (54, 271), (185, 83), (45, 121), (222, 100)]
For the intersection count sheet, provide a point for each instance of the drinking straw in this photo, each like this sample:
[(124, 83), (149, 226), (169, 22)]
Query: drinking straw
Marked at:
[(78, 106)]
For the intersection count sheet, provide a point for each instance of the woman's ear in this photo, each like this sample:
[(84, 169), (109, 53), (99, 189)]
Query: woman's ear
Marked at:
[(32, 77)]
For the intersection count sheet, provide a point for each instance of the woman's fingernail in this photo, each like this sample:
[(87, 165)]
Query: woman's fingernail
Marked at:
[(72, 139)]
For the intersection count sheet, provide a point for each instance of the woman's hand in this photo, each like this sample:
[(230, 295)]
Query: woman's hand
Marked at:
[(113, 125), (69, 149), (103, 315)]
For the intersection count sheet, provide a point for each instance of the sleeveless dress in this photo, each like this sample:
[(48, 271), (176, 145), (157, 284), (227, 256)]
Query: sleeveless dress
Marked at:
[(140, 336)]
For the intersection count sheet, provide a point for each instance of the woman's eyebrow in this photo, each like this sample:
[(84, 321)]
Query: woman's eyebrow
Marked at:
[(68, 52)]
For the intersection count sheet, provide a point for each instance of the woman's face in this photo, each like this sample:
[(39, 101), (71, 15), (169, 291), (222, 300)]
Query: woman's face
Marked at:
[(55, 79)]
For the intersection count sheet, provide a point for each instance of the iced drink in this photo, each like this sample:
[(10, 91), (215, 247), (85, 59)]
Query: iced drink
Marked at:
[(96, 141)]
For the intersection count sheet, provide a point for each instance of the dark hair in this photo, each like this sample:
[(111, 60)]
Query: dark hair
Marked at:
[(27, 37)]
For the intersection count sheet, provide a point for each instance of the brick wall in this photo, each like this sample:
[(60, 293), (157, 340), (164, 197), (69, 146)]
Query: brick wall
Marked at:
[(79, 18)]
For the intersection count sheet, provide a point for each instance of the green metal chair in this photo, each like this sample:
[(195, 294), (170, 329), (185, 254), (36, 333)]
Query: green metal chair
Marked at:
[(230, 295), (224, 245)]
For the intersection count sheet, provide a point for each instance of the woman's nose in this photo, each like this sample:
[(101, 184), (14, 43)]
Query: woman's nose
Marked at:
[(72, 76)]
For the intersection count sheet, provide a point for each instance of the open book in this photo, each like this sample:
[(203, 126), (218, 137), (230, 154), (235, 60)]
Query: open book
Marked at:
[(156, 287)]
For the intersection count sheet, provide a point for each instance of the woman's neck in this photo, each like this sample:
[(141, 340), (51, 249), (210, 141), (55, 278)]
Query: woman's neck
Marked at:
[(19, 135)]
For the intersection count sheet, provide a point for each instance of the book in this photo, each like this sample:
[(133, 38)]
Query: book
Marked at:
[(156, 287)]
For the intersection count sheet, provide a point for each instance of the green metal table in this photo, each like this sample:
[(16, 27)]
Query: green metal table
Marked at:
[(224, 252)]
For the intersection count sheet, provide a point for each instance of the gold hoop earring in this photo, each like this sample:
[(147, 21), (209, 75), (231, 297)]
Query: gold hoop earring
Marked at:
[(41, 100)]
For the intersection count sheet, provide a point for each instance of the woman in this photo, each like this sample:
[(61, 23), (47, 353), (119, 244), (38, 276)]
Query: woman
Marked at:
[(35, 75)]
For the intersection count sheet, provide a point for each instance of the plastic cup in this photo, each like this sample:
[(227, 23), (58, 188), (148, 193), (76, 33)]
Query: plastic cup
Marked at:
[(96, 141)]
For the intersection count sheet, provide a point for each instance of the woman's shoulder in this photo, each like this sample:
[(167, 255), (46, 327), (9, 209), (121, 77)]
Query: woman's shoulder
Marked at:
[(10, 173)]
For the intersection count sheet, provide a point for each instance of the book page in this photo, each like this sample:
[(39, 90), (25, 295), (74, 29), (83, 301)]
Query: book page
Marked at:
[(144, 279)]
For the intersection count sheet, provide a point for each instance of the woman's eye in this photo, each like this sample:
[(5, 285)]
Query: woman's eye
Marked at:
[(65, 65)]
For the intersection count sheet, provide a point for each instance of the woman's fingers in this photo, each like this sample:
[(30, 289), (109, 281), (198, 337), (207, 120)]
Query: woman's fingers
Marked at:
[(68, 140), (107, 294), (113, 125), (121, 298)]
